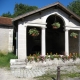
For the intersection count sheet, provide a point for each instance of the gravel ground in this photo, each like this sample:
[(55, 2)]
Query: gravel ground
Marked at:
[(6, 75)]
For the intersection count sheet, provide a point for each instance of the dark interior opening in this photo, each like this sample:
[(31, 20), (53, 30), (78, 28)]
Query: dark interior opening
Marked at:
[(55, 38), (33, 42), (73, 42)]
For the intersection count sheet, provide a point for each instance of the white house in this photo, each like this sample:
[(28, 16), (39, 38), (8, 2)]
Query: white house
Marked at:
[(49, 39), (6, 35)]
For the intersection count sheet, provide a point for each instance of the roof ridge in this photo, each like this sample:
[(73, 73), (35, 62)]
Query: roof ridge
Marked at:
[(46, 7)]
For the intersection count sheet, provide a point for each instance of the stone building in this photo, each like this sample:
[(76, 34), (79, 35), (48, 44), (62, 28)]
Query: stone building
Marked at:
[(6, 35), (49, 39)]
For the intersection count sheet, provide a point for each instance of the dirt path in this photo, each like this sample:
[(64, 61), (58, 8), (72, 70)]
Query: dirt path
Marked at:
[(6, 75)]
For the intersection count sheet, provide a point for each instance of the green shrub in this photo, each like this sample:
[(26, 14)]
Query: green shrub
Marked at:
[(5, 59)]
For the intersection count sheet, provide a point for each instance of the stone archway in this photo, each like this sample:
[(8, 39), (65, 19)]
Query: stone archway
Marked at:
[(55, 38), (33, 42)]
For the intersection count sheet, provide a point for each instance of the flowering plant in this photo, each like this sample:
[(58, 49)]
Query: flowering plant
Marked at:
[(33, 32), (73, 34), (41, 58), (56, 25), (35, 57)]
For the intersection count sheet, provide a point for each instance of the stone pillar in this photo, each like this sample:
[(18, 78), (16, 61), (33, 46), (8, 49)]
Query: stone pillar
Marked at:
[(66, 43), (16, 43), (21, 41), (79, 43), (43, 43), (10, 45)]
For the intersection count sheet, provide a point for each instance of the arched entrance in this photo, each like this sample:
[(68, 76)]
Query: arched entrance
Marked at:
[(33, 42), (55, 38)]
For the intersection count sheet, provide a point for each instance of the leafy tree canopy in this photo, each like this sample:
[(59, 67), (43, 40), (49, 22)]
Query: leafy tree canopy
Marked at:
[(20, 9), (8, 14), (75, 7)]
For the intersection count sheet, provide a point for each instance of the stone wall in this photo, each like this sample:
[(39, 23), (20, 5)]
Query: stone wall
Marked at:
[(21, 68), (6, 38)]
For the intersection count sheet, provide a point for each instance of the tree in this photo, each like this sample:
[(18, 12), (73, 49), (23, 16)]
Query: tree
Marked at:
[(20, 9), (8, 14), (75, 7)]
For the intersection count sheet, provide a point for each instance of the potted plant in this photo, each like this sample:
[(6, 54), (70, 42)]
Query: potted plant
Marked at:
[(56, 25), (73, 34), (33, 32)]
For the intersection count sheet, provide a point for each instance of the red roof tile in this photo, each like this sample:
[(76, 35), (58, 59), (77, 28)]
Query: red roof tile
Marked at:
[(5, 21)]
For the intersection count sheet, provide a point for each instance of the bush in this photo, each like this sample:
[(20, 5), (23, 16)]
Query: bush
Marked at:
[(5, 59)]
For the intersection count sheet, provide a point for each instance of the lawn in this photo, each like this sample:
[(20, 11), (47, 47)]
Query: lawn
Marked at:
[(5, 59), (62, 76)]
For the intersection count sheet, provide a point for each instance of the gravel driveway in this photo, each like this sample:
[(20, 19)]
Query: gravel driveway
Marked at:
[(6, 75)]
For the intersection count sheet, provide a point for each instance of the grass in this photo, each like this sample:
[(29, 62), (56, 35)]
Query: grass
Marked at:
[(49, 76), (45, 77), (5, 59), (71, 75)]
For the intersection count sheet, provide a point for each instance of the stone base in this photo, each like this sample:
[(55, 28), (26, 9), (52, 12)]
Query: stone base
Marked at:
[(20, 68)]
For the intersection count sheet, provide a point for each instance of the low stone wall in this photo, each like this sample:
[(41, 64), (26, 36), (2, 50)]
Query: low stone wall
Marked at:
[(21, 68)]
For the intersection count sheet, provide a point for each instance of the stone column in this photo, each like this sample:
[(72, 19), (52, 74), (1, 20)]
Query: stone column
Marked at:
[(10, 45), (16, 43), (79, 43), (66, 42), (43, 43), (21, 41)]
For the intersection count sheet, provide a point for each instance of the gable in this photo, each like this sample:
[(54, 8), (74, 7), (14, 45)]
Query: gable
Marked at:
[(41, 18), (53, 6)]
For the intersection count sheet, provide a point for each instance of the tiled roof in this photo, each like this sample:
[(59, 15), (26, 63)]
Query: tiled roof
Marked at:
[(5, 21)]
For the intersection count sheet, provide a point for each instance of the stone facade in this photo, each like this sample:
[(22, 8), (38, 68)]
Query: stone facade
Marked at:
[(6, 35), (43, 18), (6, 39)]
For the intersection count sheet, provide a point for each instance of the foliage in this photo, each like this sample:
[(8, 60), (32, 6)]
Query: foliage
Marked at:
[(47, 56), (49, 76), (5, 59), (19, 9), (75, 7), (57, 56), (73, 34), (56, 24), (37, 57), (33, 32), (51, 56), (29, 58), (41, 58), (8, 14), (22, 8), (74, 56)]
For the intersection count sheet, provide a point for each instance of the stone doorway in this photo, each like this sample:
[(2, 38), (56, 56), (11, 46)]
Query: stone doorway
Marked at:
[(55, 38)]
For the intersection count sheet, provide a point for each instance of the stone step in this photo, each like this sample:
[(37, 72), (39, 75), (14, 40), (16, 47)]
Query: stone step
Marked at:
[(19, 63), (17, 66), (20, 60)]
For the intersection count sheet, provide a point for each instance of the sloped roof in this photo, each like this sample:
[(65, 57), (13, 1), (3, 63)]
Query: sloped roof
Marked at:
[(5, 21), (58, 4)]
